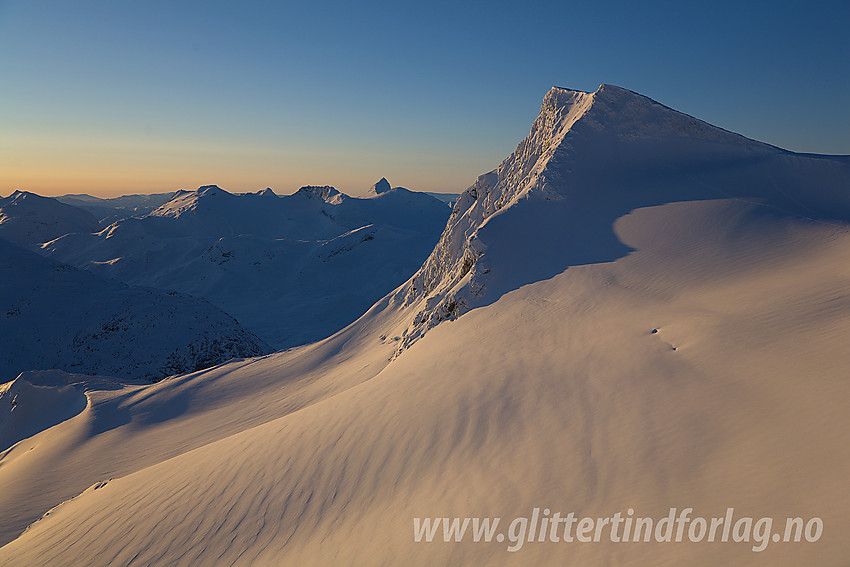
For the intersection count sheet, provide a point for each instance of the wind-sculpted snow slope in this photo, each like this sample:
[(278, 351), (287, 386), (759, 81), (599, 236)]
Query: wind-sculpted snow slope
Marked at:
[(292, 269), (706, 369), (128, 427), (589, 159), (56, 316), (35, 401)]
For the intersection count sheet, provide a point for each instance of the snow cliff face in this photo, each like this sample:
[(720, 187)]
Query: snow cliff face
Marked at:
[(588, 159), (54, 316)]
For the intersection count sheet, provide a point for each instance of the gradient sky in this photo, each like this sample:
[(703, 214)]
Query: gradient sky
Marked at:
[(115, 97)]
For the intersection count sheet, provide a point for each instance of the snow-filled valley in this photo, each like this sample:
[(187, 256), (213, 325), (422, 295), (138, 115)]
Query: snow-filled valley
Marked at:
[(635, 310)]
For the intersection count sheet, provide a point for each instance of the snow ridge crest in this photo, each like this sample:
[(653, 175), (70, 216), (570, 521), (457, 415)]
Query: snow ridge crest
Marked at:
[(571, 127)]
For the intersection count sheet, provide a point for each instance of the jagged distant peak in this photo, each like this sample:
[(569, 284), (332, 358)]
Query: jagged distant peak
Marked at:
[(324, 192), (382, 186), (267, 192)]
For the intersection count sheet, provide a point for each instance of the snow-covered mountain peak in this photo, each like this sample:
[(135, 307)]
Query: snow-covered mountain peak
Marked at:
[(324, 193), (381, 186), (20, 195), (632, 116), (210, 190), (185, 201), (625, 114), (29, 219), (589, 159), (560, 99)]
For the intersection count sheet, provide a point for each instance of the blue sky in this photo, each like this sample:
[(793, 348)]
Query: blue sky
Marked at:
[(115, 97)]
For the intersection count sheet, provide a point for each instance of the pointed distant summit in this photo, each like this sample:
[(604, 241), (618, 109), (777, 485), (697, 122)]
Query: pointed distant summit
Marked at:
[(381, 186)]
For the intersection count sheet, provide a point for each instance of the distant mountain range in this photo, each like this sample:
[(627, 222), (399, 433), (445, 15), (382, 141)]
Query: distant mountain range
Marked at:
[(112, 209), (28, 219), (292, 269)]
